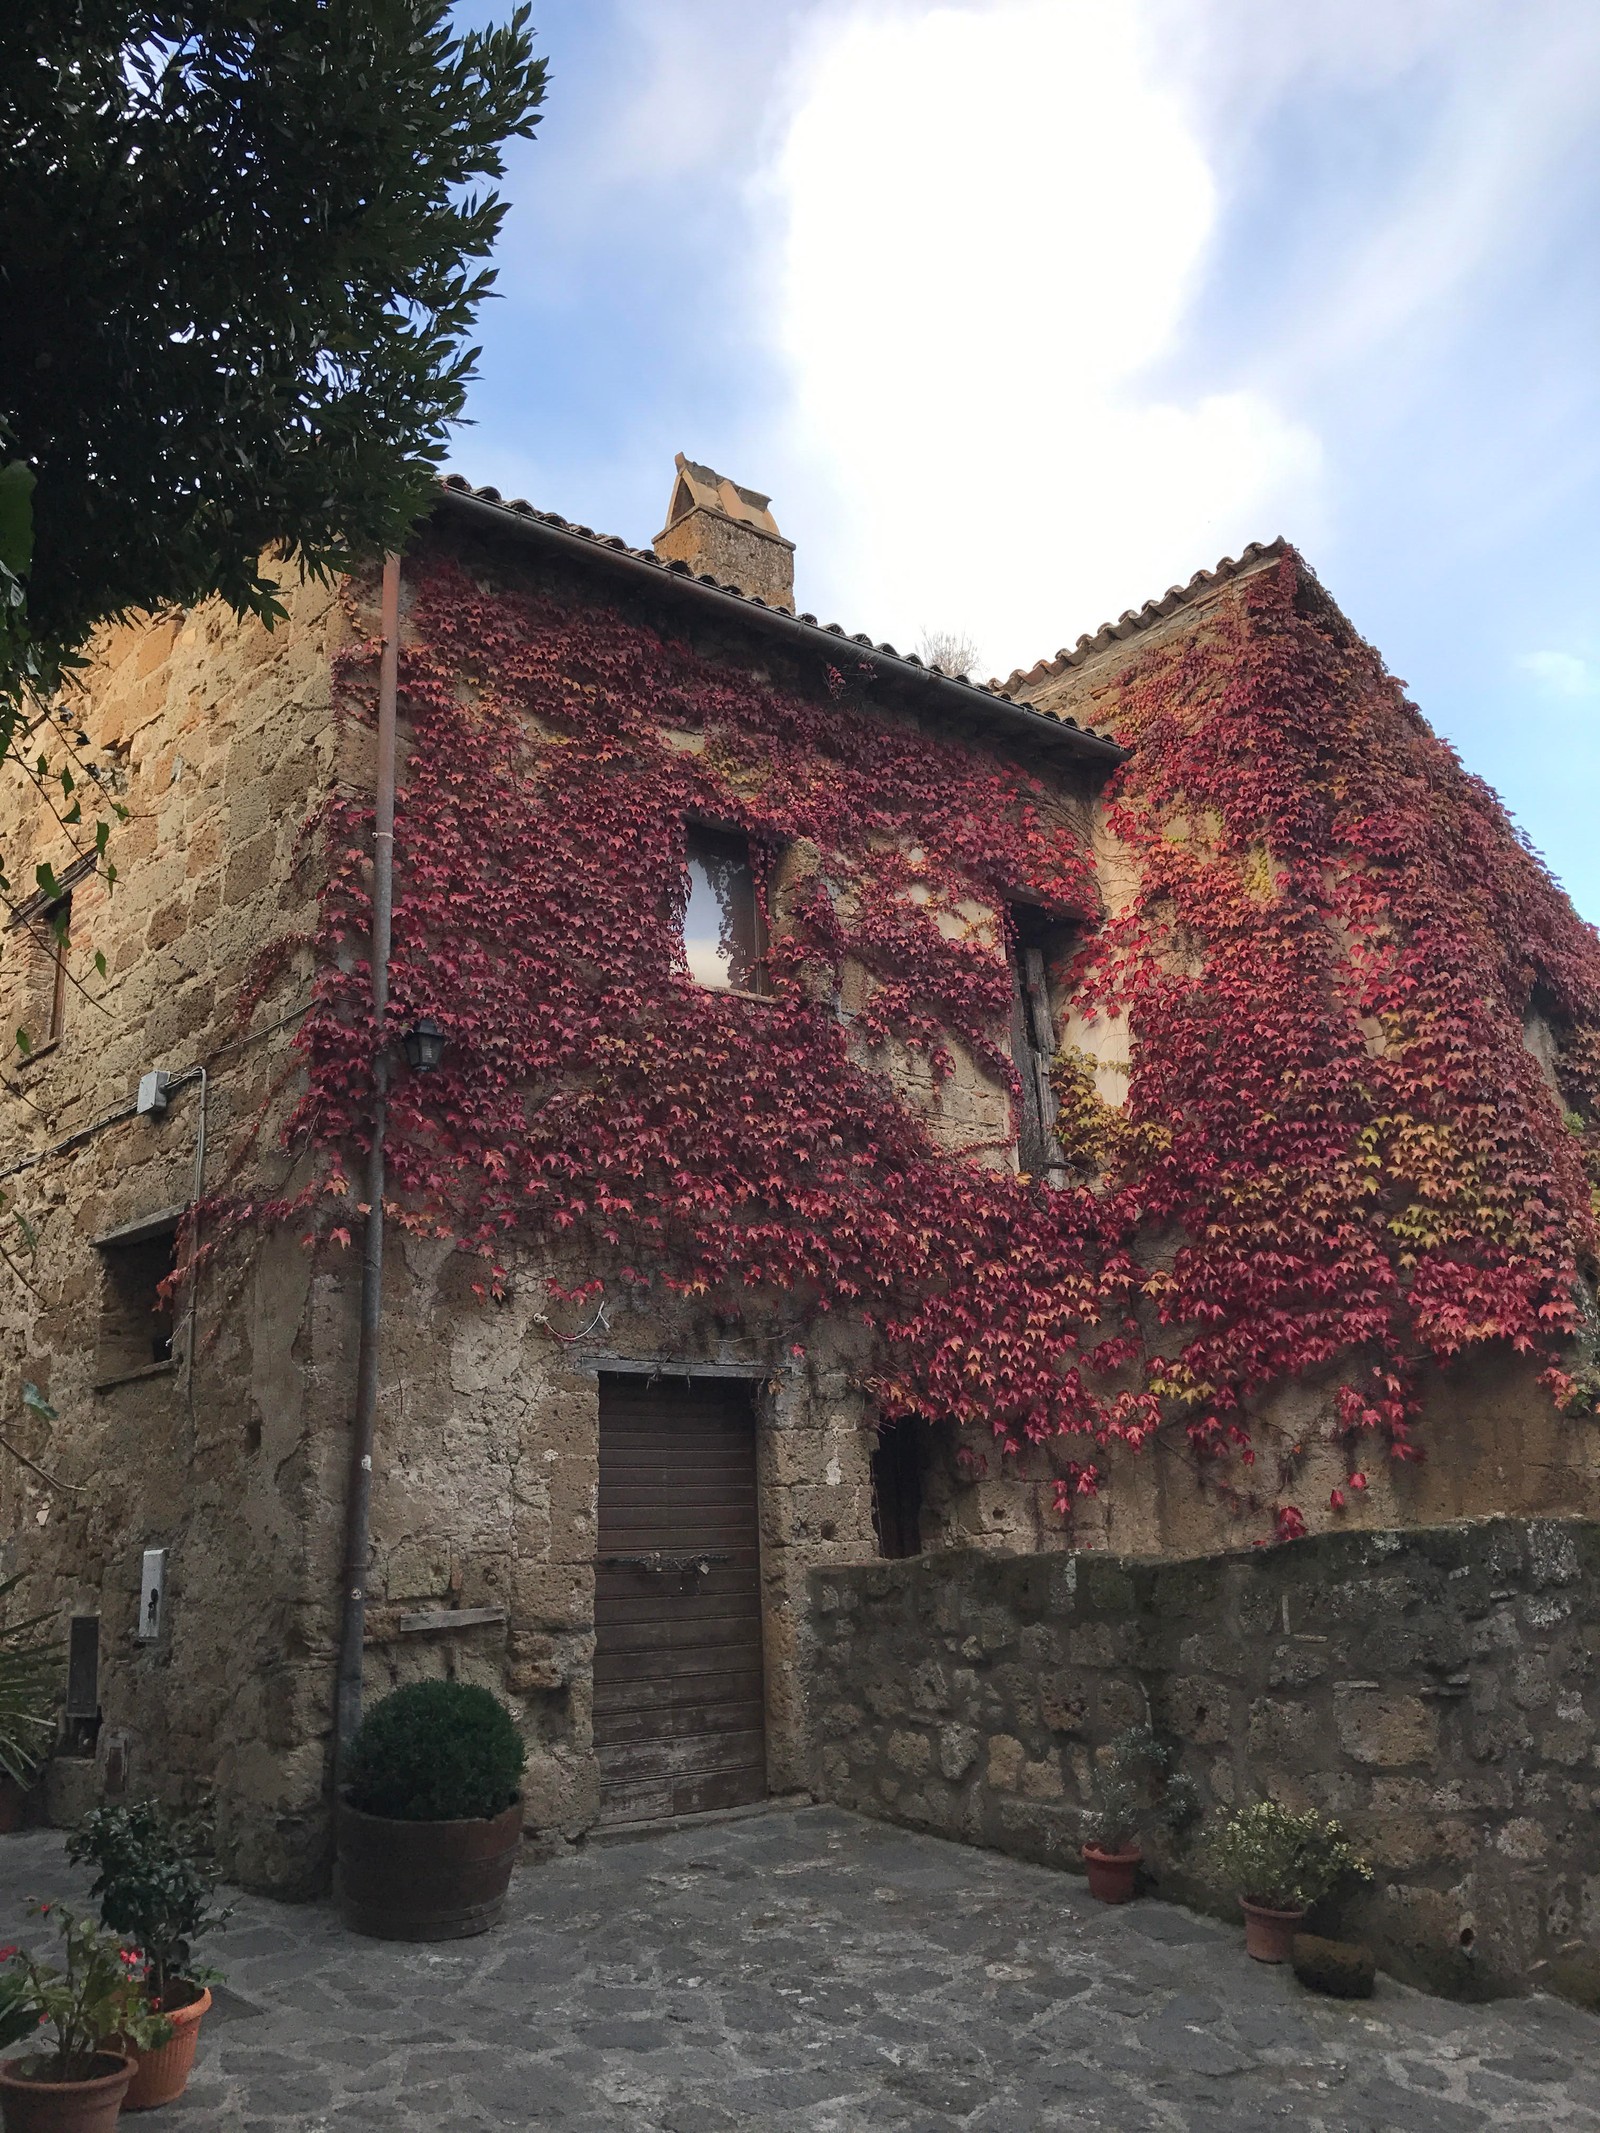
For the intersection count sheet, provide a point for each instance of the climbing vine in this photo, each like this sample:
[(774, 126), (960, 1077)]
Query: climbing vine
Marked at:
[(1331, 1115), (1326, 968)]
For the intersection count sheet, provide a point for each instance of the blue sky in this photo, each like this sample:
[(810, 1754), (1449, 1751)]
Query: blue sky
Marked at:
[(1024, 309)]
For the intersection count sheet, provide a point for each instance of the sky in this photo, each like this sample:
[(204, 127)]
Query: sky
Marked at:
[(1024, 310)]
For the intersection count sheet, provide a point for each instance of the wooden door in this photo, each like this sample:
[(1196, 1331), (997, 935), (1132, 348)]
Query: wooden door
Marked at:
[(678, 1690)]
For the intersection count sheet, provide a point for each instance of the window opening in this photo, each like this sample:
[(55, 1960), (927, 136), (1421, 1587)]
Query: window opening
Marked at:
[(43, 1006), (135, 1315), (1034, 944), (898, 1466), (724, 938), (83, 1684), (59, 919)]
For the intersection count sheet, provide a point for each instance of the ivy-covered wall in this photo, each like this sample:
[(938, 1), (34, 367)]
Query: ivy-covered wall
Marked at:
[(1353, 1026)]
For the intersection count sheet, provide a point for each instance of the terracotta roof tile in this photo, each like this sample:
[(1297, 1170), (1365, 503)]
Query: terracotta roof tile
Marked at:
[(1131, 622)]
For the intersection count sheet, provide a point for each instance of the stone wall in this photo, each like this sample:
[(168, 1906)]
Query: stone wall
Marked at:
[(1497, 1445), (219, 738), (1438, 1690)]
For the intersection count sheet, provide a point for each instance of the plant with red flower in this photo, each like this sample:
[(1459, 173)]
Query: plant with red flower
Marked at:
[(90, 1998)]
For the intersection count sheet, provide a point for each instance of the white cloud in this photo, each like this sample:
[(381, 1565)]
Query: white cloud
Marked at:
[(688, 89), (994, 221), (1563, 674)]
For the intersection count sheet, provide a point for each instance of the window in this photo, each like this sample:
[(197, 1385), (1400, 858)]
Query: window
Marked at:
[(897, 1470), (135, 1317), (41, 1005), (724, 937), (1036, 943), (83, 1684)]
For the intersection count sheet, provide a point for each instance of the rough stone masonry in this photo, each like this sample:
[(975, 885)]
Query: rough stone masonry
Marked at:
[(1437, 1689)]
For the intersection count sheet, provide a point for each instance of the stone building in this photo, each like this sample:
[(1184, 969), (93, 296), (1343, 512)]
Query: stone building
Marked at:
[(770, 1064)]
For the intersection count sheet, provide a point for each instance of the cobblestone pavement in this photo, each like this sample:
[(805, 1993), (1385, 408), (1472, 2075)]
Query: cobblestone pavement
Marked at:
[(803, 1968)]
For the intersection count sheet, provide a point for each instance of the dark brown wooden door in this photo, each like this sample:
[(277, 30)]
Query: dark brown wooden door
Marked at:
[(678, 1703)]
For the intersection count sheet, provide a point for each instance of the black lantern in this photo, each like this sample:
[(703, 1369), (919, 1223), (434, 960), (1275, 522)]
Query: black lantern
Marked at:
[(423, 1045)]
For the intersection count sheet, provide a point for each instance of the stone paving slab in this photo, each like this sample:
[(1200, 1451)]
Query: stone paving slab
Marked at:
[(807, 1969)]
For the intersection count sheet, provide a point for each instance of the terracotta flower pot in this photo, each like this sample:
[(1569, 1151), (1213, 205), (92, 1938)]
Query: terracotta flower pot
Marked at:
[(13, 1805), (1269, 1935), (64, 2106), (425, 1880), (162, 2074), (1111, 1873)]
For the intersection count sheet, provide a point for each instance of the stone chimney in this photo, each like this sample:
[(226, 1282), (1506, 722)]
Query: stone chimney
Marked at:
[(724, 532)]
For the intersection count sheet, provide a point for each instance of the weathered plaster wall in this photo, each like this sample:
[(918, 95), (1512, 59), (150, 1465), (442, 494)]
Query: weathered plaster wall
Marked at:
[(1437, 1689), (1492, 1437), (1494, 1440)]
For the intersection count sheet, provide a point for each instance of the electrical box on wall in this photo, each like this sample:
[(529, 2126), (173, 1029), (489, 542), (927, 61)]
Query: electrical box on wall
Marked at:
[(152, 1098), (152, 1595)]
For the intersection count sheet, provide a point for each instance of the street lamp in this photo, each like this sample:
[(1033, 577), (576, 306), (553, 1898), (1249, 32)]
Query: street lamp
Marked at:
[(423, 1045)]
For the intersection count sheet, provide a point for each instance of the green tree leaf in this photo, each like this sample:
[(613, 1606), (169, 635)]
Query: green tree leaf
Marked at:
[(16, 517), (241, 257)]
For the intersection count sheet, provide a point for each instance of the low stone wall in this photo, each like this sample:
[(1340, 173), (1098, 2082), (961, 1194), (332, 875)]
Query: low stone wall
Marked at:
[(1437, 1689)]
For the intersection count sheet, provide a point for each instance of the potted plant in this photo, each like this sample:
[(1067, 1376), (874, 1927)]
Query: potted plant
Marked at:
[(97, 1997), (431, 1816), (1136, 1786), (154, 1883), (1280, 1864), (28, 1668)]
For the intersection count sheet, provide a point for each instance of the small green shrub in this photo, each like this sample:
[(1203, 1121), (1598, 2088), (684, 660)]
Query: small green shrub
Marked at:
[(154, 1876), (436, 1751), (1138, 1786), (1281, 1860)]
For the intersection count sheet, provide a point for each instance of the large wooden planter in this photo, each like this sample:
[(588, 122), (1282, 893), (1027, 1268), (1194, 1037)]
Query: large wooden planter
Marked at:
[(425, 1880)]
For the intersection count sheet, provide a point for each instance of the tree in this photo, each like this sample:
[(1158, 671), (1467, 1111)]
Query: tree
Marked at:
[(953, 651), (238, 273)]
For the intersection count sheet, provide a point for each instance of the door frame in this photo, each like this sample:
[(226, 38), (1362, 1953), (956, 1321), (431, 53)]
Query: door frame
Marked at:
[(757, 1377)]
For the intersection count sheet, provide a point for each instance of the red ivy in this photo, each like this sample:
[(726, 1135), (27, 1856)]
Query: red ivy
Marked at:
[(1336, 937), (1325, 969)]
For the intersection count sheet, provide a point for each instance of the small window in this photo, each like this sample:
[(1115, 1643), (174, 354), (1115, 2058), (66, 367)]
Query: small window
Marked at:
[(724, 937), (898, 1465), (1035, 943), (42, 1004), (83, 1684), (135, 1315)]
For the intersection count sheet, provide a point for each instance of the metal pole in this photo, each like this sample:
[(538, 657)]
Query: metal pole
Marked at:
[(358, 1496), (197, 1193)]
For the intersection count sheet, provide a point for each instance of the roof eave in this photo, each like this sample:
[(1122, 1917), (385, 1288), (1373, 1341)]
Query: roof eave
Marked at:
[(948, 693)]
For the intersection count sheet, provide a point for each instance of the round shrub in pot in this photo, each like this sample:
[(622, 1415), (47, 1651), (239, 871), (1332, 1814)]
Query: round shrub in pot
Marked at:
[(430, 1817)]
